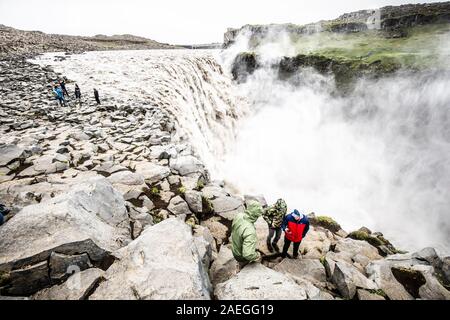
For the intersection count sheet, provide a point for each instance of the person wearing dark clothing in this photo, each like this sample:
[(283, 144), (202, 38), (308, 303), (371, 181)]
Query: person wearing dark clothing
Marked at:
[(3, 212), (274, 216), (77, 93), (59, 95), (64, 90), (295, 226), (96, 96)]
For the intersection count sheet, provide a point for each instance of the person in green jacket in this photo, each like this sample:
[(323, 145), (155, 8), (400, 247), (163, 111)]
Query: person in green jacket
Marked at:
[(243, 234)]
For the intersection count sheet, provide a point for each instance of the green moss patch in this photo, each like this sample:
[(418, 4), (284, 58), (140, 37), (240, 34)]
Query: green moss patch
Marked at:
[(325, 222)]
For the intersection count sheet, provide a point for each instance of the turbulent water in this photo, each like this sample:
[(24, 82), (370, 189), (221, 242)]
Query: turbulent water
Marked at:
[(378, 158), (189, 84)]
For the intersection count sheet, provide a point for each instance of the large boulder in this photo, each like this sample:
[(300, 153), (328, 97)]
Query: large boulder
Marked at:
[(185, 165), (89, 219), (178, 206), (227, 207), (420, 281), (380, 272), (433, 288), (355, 247), (257, 282), (316, 243), (163, 263), (194, 200), (348, 279), (429, 255), (151, 172), (258, 198), (127, 178), (375, 239), (224, 267), (218, 229), (310, 269), (10, 153), (77, 287)]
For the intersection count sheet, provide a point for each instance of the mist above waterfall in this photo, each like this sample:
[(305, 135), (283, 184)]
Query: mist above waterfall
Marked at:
[(379, 157)]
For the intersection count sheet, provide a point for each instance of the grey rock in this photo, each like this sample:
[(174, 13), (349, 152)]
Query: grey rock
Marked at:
[(186, 165), (432, 289), (258, 198), (224, 267), (62, 266), (310, 269), (380, 272), (77, 287), (10, 153), (347, 279), (227, 207), (27, 280), (90, 218), (157, 266), (178, 206), (218, 230), (366, 295), (429, 255), (152, 172), (257, 282), (127, 178), (194, 200), (355, 247)]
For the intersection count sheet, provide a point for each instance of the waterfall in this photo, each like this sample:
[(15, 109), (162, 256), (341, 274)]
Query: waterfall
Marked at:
[(190, 85), (379, 157)]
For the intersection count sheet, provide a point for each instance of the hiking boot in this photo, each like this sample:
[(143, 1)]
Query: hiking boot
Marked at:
[(286, 255), (275, 247), (295, 256), (269, 246)]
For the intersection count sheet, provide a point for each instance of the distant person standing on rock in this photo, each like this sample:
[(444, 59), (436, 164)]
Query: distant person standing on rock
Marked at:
[(274, 216), (243, 235), (62, 83), (96, 96), (59, 95), (77, 93), (295, 226)]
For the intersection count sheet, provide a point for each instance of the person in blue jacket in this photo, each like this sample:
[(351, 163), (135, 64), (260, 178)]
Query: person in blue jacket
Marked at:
[(59, 95), (295, 226)]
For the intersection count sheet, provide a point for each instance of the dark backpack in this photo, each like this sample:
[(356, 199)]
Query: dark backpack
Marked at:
[(3, 210)]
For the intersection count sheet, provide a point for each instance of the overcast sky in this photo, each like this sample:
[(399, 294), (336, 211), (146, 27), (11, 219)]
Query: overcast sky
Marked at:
[(171, 21)]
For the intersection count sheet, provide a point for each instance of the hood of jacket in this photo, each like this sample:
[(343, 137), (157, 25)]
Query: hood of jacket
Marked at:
[(253, 212)]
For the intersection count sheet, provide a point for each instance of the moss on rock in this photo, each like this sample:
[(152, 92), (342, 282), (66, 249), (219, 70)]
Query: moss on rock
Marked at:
[(378, 241), (325, 222), (207, 206)]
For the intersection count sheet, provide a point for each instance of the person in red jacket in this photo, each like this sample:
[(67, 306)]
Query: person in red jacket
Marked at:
[(295, 226)]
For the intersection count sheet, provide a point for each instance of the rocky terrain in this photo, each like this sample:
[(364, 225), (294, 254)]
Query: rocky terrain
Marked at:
[(107, 203), (28, 43)]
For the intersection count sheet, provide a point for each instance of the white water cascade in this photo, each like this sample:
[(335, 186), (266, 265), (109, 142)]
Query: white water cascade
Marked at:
[(189, 84), (378, 158)]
